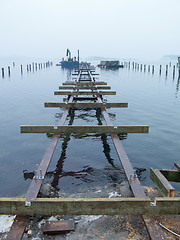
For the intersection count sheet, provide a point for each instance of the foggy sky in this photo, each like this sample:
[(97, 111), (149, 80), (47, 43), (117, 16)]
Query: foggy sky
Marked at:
[(115, 28)]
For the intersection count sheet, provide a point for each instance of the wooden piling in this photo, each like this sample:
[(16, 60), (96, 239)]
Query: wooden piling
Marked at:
[(30, 67), (166, 70), (144, 67), (152, 69), (3, 72), (141, 67), (21, 70), (27, 68), (174, 69), (13, 64), (9, 71), (36, 66), (160, 70), (149, 68)]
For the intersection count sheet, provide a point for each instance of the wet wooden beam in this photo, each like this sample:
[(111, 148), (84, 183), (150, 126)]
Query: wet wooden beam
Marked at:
[(171, 175), (84, 129), (162, 183), (85, 83), (86, 105), (84, 87), (89, 206), (85, 93)]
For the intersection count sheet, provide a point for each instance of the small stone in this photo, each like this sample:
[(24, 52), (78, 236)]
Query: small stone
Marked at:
[(29, 233)]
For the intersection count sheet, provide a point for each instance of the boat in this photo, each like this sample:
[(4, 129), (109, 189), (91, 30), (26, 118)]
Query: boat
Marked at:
[(71, 62), (110, 64)]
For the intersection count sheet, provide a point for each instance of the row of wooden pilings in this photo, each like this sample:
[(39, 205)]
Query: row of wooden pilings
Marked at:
[(28, 68), (151, 68)]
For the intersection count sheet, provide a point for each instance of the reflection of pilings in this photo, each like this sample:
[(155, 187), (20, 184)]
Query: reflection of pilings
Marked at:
[(60, 163), (106, 146)]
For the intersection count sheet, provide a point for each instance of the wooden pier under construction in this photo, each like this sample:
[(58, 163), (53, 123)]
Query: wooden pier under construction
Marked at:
[(85, 87)]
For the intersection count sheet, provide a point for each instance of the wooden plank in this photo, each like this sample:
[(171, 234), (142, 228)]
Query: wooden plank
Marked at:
[(153, 228), (171, 175), (162, 183), (84, 87), (85, 83), (89, 206), (59, 227), (177, 165), (85, 93), (83, 129), (18, 227), (86, 105)]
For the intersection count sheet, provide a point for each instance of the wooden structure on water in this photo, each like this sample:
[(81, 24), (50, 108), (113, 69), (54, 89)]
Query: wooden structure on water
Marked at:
[(140, 204)]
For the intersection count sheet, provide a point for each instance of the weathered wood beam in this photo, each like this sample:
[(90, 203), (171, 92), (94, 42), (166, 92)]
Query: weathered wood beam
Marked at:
[(86, 105), (177, 165), (84, 83), (162, 183), (85, 93), (171, 175), (84, 129), (85, 87), (89, 206)]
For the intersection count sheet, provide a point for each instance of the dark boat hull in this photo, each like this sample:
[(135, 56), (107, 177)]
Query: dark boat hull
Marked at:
[(68, 64)]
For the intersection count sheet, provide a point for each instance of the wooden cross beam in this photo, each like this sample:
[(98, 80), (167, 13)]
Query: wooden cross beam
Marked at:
[(84, 83), (85, 87), (86, 105), (84, 93), (162, 183), (84, 129), (89, 206)]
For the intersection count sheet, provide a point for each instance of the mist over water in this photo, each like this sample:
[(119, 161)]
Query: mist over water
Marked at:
[(79, 161)]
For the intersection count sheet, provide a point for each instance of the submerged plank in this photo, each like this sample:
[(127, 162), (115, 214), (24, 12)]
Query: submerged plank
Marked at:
[(177, 165), (171, 175), (86, 105), (83, 129)]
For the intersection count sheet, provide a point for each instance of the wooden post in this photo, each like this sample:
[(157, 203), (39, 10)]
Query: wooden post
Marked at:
[(36, 66), (153, 69), (166, 70), (3, 72), (21, 70), (141, 67), (30, 67), (9, 71), (13, 64), (144, 68), (160, 70), (33, 66), (174, 69), (149, 68), (27, 68)]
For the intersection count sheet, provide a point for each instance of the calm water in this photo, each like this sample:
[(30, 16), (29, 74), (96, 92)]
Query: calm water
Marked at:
[(79, 160)]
